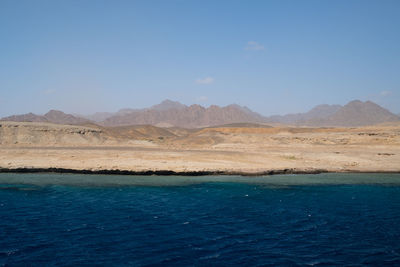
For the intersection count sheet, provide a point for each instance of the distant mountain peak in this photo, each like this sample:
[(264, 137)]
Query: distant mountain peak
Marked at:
[(242, 108), (177, 114), (170, 102), (358, 113), (316, 113), (167, 105), (355, 102), (172, 113), (53, 116), (54, 112)]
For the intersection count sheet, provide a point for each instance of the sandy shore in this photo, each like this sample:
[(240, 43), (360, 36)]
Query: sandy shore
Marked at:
[(238, 150)]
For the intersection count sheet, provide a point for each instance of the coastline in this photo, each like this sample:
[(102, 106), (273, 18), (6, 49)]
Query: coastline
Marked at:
[(244, 151), (184, 173)]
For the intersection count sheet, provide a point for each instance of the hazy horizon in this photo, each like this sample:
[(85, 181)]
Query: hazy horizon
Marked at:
[(206, 106), (275, 57)]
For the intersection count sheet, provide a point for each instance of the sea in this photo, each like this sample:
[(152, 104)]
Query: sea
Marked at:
[(49, 219)]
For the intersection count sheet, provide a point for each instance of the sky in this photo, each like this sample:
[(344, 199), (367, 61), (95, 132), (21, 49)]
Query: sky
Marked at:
[(275, 57)]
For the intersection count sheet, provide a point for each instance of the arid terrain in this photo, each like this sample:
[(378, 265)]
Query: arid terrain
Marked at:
[(235, 148)]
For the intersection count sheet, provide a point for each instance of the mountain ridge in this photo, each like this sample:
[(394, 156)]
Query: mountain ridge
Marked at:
[(319, 111), (53, 116), (180, 115), (358, 113), (170, 113)]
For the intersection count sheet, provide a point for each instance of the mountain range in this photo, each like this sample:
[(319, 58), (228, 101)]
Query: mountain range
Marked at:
[(53, 116), (174, 114)]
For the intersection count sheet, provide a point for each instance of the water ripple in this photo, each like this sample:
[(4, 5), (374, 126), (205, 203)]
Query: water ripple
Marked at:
[(202, 224)]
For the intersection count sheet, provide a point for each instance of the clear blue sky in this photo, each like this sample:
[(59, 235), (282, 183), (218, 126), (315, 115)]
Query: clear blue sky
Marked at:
[(273, 56)]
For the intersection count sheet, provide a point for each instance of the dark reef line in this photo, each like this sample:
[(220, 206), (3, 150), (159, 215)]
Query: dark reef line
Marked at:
[(179, 173), (159, 172)]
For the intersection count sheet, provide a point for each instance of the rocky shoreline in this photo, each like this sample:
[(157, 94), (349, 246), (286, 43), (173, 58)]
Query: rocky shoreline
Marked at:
[(182, 173)]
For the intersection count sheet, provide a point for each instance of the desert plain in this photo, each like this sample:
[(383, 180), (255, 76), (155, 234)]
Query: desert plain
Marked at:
[(243, 148)]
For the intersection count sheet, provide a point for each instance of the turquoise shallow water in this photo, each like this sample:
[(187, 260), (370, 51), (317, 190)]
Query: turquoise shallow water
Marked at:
[(327, 219)]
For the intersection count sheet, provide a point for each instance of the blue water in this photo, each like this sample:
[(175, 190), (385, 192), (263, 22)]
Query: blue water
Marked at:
[(73, 220)]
